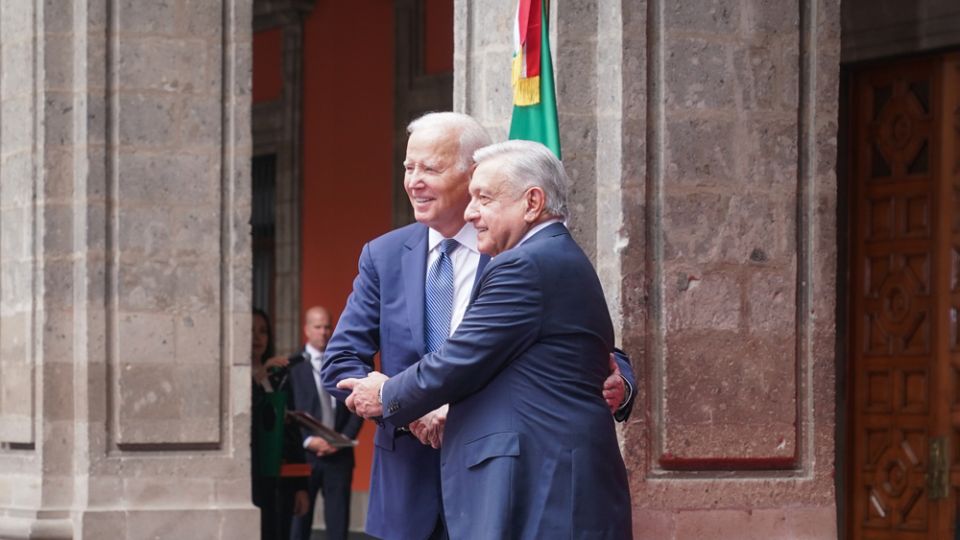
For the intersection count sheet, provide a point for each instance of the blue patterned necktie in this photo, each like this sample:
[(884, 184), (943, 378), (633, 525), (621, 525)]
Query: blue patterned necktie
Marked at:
[(438, 298)]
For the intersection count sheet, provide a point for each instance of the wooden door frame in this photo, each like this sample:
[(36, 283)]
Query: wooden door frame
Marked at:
[(417, 92), (842, 436)]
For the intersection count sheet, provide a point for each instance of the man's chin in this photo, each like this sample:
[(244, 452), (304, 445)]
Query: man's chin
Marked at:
[(422, 216), (486, 249)]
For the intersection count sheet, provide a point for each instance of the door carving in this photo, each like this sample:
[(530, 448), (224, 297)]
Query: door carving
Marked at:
[(905, 263)]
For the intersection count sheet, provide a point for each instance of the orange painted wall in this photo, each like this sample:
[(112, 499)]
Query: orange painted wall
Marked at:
[(348, 162), (438, 36), (267, 65)]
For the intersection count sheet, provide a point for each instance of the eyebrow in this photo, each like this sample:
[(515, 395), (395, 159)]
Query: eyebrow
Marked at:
[(429, 162)]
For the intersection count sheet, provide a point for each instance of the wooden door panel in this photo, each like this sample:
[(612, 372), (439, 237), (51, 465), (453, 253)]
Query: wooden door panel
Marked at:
[(900, 263)]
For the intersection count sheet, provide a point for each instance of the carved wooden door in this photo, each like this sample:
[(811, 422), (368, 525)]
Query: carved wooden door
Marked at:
[(905, 248)]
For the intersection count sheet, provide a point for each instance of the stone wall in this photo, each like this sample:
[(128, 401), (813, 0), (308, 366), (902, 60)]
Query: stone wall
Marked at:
[(700, 138), (124, 326)]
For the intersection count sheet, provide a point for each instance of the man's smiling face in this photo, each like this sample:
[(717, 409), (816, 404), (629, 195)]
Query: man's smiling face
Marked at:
[(496, 209), (435, 181)]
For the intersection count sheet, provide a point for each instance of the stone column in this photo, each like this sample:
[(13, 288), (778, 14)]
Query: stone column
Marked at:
[(740, 191), (701, 140), (124, 256)]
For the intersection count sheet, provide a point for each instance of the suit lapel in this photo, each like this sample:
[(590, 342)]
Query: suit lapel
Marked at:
[(310, 381), (413, 265), (484, 259)]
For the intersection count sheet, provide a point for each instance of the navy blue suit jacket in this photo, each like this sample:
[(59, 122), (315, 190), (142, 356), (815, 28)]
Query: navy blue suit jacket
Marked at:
[(306, 398), (529, 448), (385, 314)]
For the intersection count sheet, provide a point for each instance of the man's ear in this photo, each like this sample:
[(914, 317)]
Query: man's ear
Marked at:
[(535, 201)]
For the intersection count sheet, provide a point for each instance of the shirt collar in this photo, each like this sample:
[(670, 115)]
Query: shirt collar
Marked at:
[(466, 237), (537, 228), (314, 353)]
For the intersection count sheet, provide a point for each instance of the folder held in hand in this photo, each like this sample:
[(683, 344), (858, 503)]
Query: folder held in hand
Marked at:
[(317, 429)]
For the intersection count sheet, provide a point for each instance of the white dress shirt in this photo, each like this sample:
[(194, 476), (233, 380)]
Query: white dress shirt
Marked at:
[(316, 360), (465, 260)]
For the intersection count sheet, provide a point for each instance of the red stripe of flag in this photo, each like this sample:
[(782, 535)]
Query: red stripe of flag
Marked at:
[(529, 26)]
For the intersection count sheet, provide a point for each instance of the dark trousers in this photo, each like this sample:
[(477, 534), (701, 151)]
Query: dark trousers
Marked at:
[(332, 477), (274, 497)]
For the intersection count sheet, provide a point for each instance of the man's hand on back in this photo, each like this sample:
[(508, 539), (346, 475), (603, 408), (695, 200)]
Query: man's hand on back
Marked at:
[(614, 389), (429, 428)]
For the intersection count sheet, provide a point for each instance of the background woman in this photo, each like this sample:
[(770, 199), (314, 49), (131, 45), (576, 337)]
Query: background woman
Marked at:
[(273, 441)]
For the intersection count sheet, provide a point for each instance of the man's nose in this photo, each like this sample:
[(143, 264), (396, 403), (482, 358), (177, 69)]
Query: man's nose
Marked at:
[(470, 214), (414, 178)]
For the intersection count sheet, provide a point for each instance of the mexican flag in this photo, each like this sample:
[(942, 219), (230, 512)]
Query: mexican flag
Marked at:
[(534, 96)]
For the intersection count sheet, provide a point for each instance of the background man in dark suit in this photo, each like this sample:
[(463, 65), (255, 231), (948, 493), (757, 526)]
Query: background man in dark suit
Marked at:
[(386, 313), (331, 468), (529, 448)]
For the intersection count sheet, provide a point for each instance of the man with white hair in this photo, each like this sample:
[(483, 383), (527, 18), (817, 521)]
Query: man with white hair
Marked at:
[(386, 313), (529, 448)]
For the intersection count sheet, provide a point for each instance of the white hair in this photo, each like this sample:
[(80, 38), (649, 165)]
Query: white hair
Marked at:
[(530, 164), (471, 133)]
